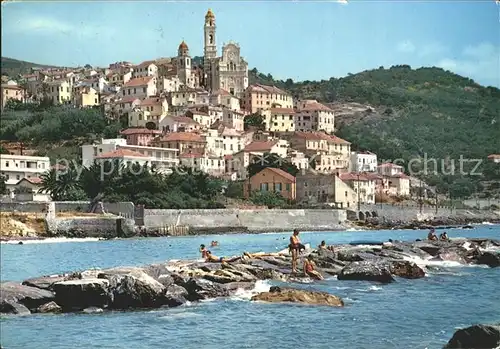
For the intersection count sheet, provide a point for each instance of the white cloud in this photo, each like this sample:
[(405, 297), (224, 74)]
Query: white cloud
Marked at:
[(53, 26), (480, 62), (432, 49), (406, 46)]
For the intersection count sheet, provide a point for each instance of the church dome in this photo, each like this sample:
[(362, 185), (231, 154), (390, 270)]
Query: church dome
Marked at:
[(210, 14), (183, 46)]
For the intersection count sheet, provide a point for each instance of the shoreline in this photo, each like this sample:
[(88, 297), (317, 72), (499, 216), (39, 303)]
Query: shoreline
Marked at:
[(361, 227), (175, 282)]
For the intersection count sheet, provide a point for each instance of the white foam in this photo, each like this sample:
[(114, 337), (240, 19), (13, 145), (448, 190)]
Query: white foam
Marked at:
[(260, 286), (49, 240)]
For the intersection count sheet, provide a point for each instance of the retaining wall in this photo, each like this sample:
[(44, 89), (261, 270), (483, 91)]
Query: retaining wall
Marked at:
[(124, 208), (108, 227), (408, 213), (243, 220)]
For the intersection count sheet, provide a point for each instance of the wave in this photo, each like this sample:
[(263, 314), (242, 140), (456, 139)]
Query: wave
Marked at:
[(49, 240), (260, 286), (424, 263)]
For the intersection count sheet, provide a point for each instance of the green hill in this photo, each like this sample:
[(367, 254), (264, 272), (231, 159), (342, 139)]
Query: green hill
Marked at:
[(416, 112), (13, 67)]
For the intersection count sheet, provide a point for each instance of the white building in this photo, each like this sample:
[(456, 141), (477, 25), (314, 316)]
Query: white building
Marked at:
[(117, 148), (16, 167), (390, 169), (363, 161)]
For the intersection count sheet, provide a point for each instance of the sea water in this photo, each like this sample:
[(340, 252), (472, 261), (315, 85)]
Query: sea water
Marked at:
[(421, 313)]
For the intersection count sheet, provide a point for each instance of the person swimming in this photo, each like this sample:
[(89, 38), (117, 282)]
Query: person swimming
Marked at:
[(432, 235), (203, 251), (214, 243), (214, 259), (309, 269)]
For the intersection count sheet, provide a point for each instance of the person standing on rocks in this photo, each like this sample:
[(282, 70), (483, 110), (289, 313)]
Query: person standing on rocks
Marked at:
[(295, 246)]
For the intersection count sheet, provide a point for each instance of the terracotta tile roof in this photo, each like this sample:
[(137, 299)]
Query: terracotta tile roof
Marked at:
[(400, 175), (260, 146), (315, 106), (195, 153), (266, 89), (281, 173), (316, 136), (142, 131), (352, 176), (145, 64), (184, 120), (121, 153), (222, 92), (152, 101), (32, 180), (494, 156), (282, 111), (389, 164), (183, 137), (129, 99), (373, 176), (138, 81)]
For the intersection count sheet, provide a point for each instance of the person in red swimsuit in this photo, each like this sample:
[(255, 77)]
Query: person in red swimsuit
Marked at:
[(309, 269)]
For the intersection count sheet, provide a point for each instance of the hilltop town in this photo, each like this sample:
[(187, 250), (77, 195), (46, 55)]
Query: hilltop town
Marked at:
[(208, 117)]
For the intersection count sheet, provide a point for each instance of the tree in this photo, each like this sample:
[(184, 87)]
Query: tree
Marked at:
[(3, 185), (3, 150), (270, 199), (254, 120), (61, 186), (259, 163)]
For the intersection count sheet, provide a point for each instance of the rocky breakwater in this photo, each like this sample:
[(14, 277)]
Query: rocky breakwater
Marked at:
[(378, 223), (174, 283)]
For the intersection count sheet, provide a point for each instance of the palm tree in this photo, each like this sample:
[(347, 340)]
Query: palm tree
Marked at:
[(58, 185)]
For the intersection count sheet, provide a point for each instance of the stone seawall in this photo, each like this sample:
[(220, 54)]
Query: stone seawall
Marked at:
[(107, 226), (224, 220), (409, 213), (126, 209)]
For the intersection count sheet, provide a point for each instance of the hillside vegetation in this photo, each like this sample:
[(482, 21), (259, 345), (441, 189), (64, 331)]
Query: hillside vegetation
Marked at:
[(416, 112), (12, 67)]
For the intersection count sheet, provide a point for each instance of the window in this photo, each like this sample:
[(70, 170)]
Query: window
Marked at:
[(144, 89), (263, 186), (18, 177), (6, 164), (277, 187)]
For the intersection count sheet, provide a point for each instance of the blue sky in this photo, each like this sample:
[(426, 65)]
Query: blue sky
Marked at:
[(303, 40)]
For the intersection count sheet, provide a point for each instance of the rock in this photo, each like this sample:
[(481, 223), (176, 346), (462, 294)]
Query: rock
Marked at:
[(93, 310), (76, 295), (291, 295), (489, 258), (12, 295), (11, 307), (428, 247), (477, 336), (199, 289), (407, 270), (368, 271), (233, 286), (44, 282), (134, 290), (175, 295), (50, 307)]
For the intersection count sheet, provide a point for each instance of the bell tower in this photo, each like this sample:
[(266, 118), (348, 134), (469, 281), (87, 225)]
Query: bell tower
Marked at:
[(210, 51)]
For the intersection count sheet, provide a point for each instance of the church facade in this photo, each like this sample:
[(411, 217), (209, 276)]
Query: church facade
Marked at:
[(228, 72)]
